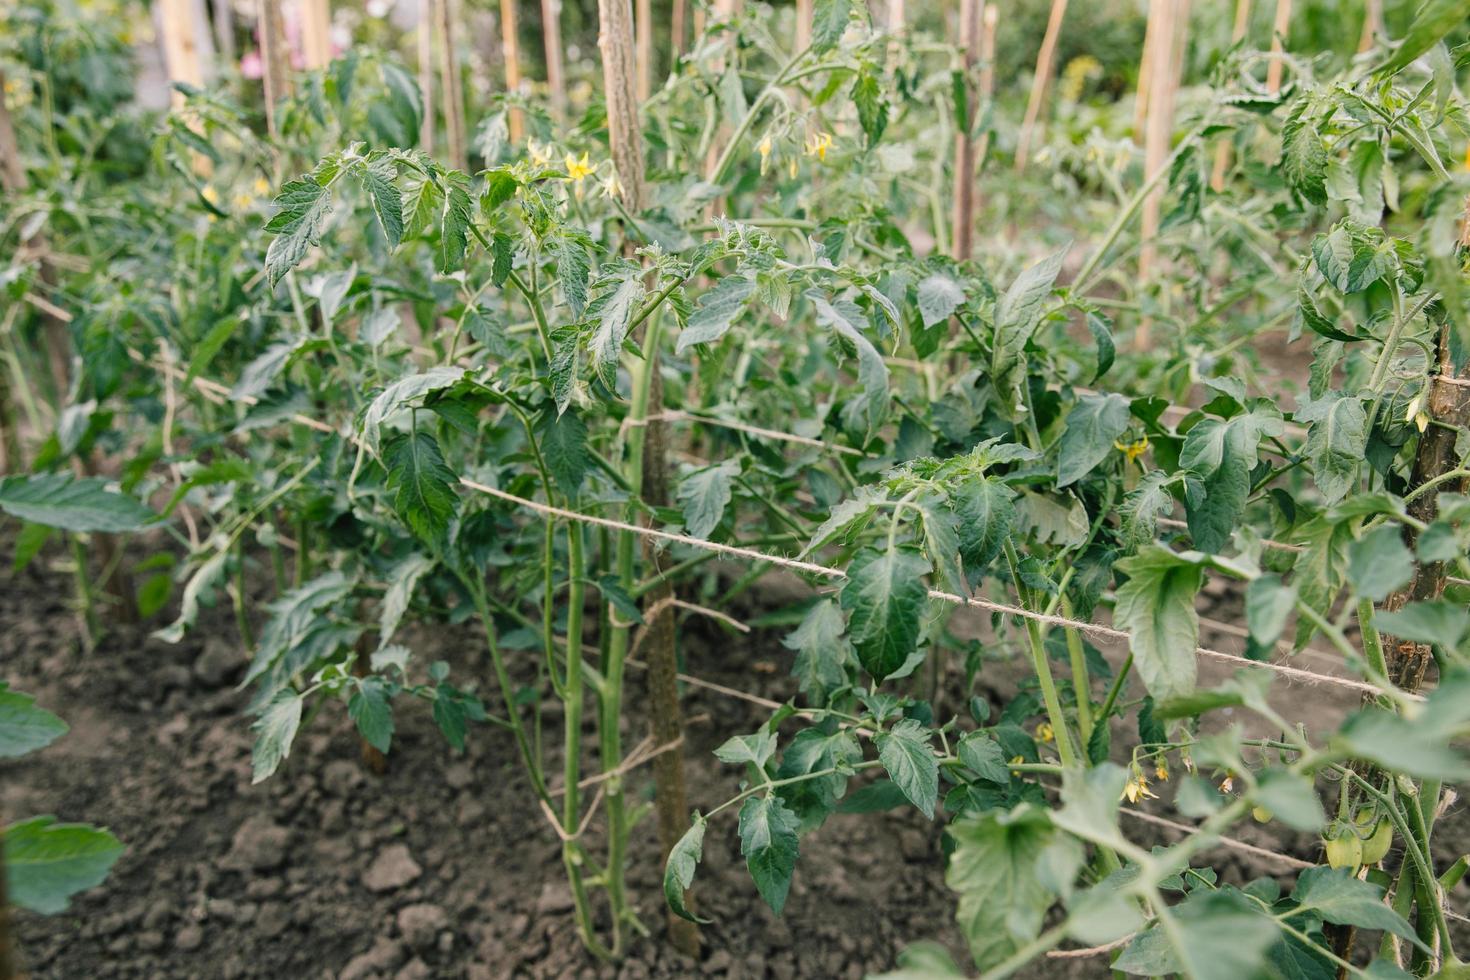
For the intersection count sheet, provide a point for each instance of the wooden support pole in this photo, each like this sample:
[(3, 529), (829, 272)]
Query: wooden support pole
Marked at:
[(1040, 82), (1279, 29), (988, 25), (962, 218), (1372, 25), (551, 36), (179, 34), (643, 27), (316, 34), (678, 28), (425, 43), (1158, 128), (223, 14), (1145, 71), (1222, 150), (453, 94), (897, 16), (803, 24), (510, 48), (273, 62)]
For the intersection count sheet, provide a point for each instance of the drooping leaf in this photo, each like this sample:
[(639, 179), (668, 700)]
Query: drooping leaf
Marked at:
[(372, 712), (1304, 156), (704, 495), (1017, 313), (563, 444), (1143, 506), (422, 485), (939, 296), (994, 870), (454, 234), (79, 505), (401, 394), (1337, 441), (684, 858), (822, 649), (1217, 935), (1340, 897), (1156, 607), (986, 514), (24, 726), (402, 580), (717, 309), (829, 21), (302, 209), (905, 753), (769, 844), (275, 730), (1435, 19), (48, 862), (377, 178), (884, 596), (1092, 426), (1379, 563)]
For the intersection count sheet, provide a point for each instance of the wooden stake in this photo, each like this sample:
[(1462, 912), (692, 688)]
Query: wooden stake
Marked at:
[(1372, 25), (803, 24), (426, 73), (643, 25), (273, 63), (551, 35), (450, 86), (897, 16), (223, 15), (1156, 141), (987, 76), (962, 218), (1279, 30), (510, 47), (1040, 82), (1145, 71), (677, 29), (1222, 150), (180, 40), (316, 34)]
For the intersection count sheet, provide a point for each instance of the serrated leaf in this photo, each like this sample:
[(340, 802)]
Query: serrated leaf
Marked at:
[(1435, 19), (768, 842), (454, 235), (1017, 313), (1217, 935), (422, 485), (79, 505), (884, 596), (1092, 426), (1340, 897), (905, 753), (25, 727), (1337, 441), (1156, 607), (822, 649), (870, 410), (829, 22), (302, 209), (1143, 506), (563, 444), (1379, 563), (378, 179), (274, 732), (684, 858), (1304, 156), (48, 862), (872, 108), (401, 394), (372, 712), (704, 495), (994, 870), (615, 312), (987, 513), (402, 579), (983, 756), (939, 296), (755, 749), (717, 309)]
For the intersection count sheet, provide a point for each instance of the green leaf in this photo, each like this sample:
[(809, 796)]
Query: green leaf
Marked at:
[(402, 579), (614, 313), (1268, 606), (942, 543), (705, 494), (563, 444), (1304, 155), (1379, 563), (1337, 441), (755, 749), (454, 237), (1093, 425), (717, 309), (1156, 607), (812, 751), (1319, 570), (924, 961), (23, 726), (1292, 799), (377, 178), (684, 857), (1220, 936), (939, 297), (983, 756), (994, 870), (78, 505), (1102, 335), (868, 412), (906, 755), (987, 514), (1221, 454), (401, 394), (1438, 621), (822, 651), (829, 22), (1017, 313), (48, 862), (1340, 897), (884, 596), (768, 843), (274, 732), (1435, 19), (872, 108), (261, 373), (422, 485), (1420, 745), (1141, 509), (371, 710), (501, 185), (302, 209)]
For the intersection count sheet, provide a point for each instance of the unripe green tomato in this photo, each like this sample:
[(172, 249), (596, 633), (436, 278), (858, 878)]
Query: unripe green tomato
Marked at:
[(1260, 814), (1345, 851), (1376, 846)]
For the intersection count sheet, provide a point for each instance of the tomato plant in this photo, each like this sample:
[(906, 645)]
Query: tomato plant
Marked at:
[(555, 388)]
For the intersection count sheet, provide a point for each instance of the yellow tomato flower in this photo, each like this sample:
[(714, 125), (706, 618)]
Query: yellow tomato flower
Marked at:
[(1132, 450), (1416, 413), (1137, 789), (262, 187), (210, 194), (764, 149), (242, 201), (1162, 771), (1016, 762), (818, 145), (540, 152), (1044, 732), (578, 170), (792, 168), (1227, 784)]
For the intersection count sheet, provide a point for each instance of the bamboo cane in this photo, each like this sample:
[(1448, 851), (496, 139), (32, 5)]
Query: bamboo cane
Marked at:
[(181, 31), (1372, 25), (1145, 72), (1279, 29), (273, 62), (450, 85), (803, 24), (510, 47), (988, 25), (643, 28), (425, 42), (1156, 141), (897, 16), (1222, 151), (316, 34), (551, 35), (223, 15), (678, 14), (1040, 82), (963, 217)]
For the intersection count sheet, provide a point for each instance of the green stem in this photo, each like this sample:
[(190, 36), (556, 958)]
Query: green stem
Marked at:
[(721, 168), (1043, 673)]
